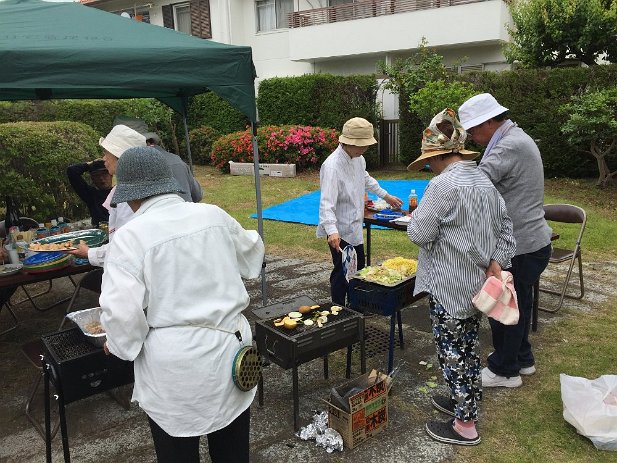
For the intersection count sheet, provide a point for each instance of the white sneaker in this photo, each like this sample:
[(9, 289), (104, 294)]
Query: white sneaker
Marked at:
[(528, 370), (490, 379)]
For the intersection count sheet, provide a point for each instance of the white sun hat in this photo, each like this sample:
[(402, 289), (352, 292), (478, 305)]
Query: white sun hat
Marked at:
[(120, 139), (479, 109)]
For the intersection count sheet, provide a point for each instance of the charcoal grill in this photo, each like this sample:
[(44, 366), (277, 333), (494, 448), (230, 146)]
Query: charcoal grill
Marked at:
[(291, 348), (77, 369), (369, 297)]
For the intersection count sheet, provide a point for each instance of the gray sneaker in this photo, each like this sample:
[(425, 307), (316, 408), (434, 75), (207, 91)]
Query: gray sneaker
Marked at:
[(527, 370), (490, 379)]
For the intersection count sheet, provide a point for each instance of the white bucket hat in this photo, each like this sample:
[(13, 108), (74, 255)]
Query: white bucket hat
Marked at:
[(138, 125), (479, 109), (357, 132), (120, 139)]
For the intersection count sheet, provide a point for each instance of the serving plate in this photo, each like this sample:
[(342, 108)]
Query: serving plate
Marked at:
[(93, 238), (43, 258), (387, 214), (10, 269)]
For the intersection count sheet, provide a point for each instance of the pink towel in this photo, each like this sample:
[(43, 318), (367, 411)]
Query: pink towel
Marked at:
[(497, 299)]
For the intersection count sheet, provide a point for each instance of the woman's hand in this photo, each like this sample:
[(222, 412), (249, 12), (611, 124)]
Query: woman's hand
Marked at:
[(334, 240), (81, 251), (393, 201), (494, 270)]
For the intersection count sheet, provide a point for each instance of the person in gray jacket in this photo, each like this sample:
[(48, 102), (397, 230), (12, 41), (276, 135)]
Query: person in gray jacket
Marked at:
[(513, 163)]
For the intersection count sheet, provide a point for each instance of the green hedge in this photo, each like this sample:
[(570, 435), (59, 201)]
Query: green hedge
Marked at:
[(533, 97), (305, 146), (212, 110), (321, 100), (202, 139), (34, 158)]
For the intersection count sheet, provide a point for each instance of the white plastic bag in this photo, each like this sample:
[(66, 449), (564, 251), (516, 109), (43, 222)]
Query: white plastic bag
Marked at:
[(591, 407)]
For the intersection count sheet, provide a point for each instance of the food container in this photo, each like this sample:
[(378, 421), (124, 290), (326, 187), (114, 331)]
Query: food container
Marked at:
[(82, 318)]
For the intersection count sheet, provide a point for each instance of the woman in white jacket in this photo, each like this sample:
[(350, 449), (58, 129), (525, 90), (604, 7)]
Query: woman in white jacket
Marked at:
[(172, 301)]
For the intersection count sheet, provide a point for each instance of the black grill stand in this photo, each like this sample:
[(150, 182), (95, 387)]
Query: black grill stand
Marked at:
[(286, 352), (78, 370)]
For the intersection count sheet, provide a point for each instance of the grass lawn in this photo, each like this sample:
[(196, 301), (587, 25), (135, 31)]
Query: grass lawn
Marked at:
[(519, 425)]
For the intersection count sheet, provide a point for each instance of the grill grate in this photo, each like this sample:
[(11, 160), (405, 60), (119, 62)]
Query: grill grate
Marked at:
[(301, 329), (377, 341), (69, 345)]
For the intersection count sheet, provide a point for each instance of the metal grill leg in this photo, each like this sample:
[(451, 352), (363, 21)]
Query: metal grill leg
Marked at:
[(296, 398), (47, 414), (399, 318), (391, 343)]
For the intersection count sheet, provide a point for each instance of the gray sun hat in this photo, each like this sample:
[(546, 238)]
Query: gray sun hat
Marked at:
[(142, 172)]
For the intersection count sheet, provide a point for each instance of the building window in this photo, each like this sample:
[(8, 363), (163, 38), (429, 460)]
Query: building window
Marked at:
[(273, 14), (191, 17), (182, 18)]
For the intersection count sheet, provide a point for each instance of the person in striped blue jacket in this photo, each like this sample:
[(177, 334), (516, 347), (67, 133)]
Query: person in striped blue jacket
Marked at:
[(465, 236)]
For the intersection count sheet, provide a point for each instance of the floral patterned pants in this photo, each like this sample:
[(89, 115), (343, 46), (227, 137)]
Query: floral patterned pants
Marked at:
[(458, 346)]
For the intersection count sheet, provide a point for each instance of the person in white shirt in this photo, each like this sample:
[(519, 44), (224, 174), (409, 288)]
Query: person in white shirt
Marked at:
[(114, 145), (344, 181), (172, 300)]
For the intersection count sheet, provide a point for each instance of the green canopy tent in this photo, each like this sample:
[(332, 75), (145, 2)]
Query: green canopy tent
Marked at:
[(52, 50)]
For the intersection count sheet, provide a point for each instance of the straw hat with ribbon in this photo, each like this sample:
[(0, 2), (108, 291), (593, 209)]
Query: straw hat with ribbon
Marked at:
[(435, 142)]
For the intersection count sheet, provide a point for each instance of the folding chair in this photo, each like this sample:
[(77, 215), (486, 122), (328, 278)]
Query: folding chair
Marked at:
[(90, 281), (566, 213)]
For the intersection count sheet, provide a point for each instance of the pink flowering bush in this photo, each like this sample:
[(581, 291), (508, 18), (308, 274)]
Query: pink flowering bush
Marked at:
[(304, 146)]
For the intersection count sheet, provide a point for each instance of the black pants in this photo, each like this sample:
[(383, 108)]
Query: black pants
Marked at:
[(338, 282), (511, 342), (227, 445)]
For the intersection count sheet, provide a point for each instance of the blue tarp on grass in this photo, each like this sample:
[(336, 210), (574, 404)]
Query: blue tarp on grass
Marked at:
[(305, 209)]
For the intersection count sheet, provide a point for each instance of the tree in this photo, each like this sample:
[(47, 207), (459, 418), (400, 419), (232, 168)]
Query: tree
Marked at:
[(592, 123), (549, 32), (438, 95), (406, 76)]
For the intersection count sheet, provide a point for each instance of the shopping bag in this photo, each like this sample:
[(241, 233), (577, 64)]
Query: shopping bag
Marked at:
[(350, 261), (591, 407)]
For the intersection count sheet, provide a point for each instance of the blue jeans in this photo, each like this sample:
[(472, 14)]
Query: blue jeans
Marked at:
[(511, 343), (338, 282)]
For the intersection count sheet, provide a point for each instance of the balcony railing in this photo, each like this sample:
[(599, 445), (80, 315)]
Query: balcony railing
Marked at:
[(366, 9)]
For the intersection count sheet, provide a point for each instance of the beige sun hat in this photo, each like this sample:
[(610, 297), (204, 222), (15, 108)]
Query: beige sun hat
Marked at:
[(435, 142), (357, 132), (120, 139), (479, 109)]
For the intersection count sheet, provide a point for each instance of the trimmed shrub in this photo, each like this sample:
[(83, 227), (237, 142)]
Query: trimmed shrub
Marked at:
[(212, 110), (34, 158), (533, 97), (321, 100), (305, 146), (202, 139)]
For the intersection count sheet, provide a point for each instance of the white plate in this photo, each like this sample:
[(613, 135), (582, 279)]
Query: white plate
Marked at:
[(10, 269)]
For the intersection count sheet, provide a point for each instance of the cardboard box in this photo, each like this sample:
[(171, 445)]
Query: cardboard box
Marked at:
[(273, 170), (368, 413)]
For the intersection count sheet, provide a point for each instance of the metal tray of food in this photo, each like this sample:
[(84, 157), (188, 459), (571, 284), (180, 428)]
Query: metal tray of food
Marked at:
[(387, 285), (89, 321)]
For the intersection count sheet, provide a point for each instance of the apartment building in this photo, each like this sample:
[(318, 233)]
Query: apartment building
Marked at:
[(295, 37)]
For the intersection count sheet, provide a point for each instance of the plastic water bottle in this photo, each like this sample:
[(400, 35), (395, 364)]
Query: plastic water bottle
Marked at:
[(413, 201)]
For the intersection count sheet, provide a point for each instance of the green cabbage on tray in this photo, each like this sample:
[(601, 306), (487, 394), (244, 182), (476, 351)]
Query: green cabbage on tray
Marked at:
[(381, 275), (390, 272)]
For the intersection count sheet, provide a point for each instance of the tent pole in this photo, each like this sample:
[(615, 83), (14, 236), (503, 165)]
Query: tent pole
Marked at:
[(188, 142), (260, 224)]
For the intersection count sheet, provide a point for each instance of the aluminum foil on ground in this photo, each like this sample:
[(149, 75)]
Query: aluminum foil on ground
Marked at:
[(319, 431), (331, 440)]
